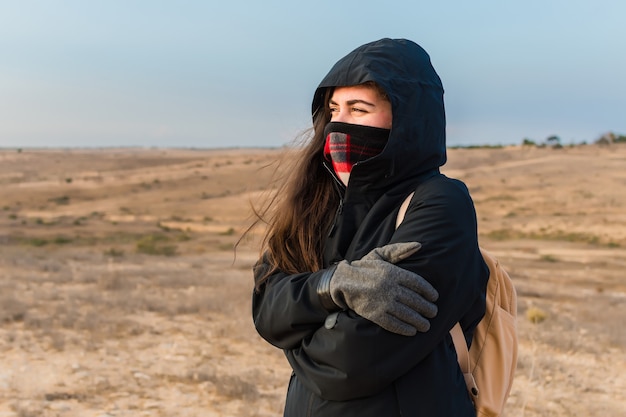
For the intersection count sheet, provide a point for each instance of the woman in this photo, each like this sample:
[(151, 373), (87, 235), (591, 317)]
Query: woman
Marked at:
[(347, 296)]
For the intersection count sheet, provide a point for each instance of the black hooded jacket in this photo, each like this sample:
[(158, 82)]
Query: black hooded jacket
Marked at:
[(353, 367)]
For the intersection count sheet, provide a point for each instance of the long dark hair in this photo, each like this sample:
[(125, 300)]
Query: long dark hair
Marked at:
[(301, 208)]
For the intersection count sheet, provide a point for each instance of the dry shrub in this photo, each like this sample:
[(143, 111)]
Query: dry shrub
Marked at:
[(112, 281), (63, 396), (114, 253), (549, 258), (28, 409), (91, 321), (11, 309), (54, 339), (225, 246), (67, 315), (101, 327), (229, 386), (536, 315), (175, 280), (156, 244), (232, 386), (202, 374), (37, 321), (189, 307)]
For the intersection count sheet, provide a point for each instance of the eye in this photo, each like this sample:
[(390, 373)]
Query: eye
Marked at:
[(358, 110)]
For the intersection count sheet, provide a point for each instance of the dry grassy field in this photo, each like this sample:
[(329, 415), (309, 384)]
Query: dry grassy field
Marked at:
[(120, 294)]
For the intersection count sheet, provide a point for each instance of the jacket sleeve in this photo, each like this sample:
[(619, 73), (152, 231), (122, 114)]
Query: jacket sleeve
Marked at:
[(287, 309), (357, 358)]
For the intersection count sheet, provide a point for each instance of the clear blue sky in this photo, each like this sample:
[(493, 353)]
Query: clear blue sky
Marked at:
[(241, 73)]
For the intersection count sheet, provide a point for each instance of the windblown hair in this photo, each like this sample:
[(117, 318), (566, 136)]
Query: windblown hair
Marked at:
[(302, 209)]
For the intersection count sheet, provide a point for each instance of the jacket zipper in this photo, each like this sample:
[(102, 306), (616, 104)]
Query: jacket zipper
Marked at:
[(338, 187), (337, 214)]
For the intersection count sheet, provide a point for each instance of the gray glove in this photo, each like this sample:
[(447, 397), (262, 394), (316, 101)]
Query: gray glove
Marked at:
[(396, 299)]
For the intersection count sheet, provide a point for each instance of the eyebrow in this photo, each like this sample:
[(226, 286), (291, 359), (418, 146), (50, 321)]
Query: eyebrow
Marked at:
[(352, 102)]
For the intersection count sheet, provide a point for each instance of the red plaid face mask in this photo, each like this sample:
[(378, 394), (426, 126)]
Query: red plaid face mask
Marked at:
[(346, 144)]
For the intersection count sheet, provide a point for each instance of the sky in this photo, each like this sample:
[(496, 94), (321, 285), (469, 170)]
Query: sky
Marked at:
[(215, 74)]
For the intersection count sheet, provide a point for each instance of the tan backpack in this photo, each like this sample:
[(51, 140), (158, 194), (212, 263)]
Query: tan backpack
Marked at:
[(489, 365)]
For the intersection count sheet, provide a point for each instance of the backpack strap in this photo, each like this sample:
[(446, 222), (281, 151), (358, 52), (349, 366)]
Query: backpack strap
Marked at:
[(462, 354), (457, 333), (403, 208)]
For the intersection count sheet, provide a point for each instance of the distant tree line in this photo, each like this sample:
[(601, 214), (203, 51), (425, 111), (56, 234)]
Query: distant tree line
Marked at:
[(555, 142)]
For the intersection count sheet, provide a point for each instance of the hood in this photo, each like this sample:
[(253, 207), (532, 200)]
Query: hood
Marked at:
[(403, 69)]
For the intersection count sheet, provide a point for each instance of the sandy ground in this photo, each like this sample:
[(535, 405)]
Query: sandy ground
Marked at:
[(120, 294)]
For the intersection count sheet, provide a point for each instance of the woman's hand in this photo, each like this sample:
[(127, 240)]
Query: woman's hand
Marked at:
[(396, 299)]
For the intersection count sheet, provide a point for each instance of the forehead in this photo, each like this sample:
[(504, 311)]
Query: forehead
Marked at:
[(363, 92)]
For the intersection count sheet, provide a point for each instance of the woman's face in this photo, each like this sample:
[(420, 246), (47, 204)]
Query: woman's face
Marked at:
[(360, 105)]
